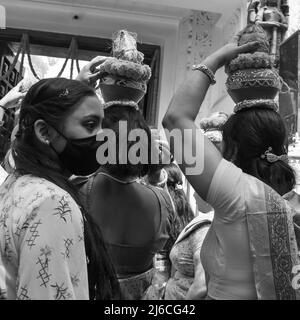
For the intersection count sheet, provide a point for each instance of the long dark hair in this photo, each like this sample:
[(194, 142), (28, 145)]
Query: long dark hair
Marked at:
[(134, 120), (247, 135), (183, 214), (52, 100)]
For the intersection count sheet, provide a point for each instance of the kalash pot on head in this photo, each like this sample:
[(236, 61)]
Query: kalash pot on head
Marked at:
[(252, 79), (123, 77)]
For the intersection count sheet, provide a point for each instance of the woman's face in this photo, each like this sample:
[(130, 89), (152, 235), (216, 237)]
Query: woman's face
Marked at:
[(83, 121)]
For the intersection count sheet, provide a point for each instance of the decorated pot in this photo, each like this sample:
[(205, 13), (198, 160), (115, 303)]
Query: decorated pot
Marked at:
[(249, 84), (114, 88)]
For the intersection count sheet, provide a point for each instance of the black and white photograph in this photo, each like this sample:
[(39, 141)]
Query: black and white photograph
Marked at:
[(150, 153)]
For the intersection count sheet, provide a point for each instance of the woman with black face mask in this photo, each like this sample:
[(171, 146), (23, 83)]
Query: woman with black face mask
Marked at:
[(79, 155), (49, 247)]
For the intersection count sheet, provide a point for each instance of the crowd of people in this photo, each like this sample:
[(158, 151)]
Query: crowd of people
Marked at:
[(71, 228)]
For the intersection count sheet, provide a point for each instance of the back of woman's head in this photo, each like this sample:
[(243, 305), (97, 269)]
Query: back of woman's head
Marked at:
[(174, 176), (133, 120), (247, 135), (183, 214)]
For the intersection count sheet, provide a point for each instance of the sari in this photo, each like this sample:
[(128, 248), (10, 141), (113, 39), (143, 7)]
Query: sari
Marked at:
[(250, 252), (273, 244), (174, 285), (135, 287), (183, 269)]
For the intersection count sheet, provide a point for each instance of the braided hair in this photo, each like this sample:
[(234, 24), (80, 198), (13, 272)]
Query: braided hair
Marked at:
[(183, 214)]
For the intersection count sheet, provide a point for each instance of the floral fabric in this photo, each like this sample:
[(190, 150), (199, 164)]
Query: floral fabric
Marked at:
[(42, 253)]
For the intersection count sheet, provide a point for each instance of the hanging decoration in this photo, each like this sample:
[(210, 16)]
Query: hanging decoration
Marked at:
[(73, 55), (24, 49)]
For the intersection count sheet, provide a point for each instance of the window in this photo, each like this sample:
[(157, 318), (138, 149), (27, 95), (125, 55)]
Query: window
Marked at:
[(54, 45)]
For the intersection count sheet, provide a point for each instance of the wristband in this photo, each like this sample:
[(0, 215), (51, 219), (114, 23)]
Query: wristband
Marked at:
[(203, 68)]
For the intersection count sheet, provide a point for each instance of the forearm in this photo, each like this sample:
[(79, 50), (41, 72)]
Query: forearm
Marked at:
[(196, 292), (188, 98), (198, 289), (3, 102), (1, 113)]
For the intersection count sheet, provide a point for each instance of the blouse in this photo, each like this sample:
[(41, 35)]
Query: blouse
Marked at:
[(182, 258), (225, 254)]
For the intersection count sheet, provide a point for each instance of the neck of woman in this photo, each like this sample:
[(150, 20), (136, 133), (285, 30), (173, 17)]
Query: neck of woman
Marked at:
[(114, 174)]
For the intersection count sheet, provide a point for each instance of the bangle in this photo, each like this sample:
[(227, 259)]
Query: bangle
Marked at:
[(203, 68)]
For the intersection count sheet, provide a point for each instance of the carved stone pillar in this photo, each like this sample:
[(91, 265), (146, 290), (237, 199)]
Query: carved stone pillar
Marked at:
[(195, 41), (218, 99), (199, 36)]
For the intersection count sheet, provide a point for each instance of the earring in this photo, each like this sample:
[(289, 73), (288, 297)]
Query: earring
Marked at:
[(47, 142)]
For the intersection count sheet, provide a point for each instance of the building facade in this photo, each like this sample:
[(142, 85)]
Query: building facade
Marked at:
[(186, 31)]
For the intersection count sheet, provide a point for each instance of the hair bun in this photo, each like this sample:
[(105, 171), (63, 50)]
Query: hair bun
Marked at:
[(214, 122)]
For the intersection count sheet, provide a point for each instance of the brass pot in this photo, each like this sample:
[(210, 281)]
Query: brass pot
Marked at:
[(250, 84), (115, 88)]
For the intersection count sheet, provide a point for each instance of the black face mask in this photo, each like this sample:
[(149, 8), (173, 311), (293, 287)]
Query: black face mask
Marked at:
[(79, 156)]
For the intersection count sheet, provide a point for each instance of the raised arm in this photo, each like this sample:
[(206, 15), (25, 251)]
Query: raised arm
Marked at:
[(184, 109), (89, 73), (11, 99)]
